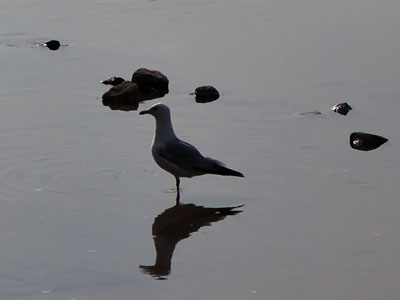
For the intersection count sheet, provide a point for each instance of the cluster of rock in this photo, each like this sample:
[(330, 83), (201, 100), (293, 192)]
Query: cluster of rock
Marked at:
[(151, 84), (144, 85)]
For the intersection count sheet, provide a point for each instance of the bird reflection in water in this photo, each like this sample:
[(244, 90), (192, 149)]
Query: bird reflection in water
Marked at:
[(177, 223)]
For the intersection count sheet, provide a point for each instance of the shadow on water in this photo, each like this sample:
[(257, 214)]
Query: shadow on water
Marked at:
[(177, 223)]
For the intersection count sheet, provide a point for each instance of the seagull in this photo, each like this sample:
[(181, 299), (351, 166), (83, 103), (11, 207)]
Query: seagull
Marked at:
[(177, 157)]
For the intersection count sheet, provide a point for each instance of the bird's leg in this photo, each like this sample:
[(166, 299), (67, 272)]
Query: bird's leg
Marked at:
[(178, 194), (177, 183), (178, 197)]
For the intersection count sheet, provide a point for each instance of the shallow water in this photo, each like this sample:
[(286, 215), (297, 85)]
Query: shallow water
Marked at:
[(79, 191)]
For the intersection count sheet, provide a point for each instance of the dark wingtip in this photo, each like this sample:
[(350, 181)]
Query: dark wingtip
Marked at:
[(230, 172), (234, 173)]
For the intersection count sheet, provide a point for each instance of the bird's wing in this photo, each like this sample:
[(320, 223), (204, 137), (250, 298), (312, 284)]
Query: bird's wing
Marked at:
[(181, 154)]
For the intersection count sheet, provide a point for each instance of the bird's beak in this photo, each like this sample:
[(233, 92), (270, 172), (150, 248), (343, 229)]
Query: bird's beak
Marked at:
[(144, 112)]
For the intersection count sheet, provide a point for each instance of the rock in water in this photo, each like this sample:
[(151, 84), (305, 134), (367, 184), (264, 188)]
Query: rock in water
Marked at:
[(205, 94), (151, 81), (366, 141), (123, 96), (52, 45), (113, 81), (126, 95), (342, 108)]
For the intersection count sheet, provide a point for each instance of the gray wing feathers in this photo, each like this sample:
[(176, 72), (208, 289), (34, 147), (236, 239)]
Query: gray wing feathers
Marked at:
[(187, 157), (182, 154)]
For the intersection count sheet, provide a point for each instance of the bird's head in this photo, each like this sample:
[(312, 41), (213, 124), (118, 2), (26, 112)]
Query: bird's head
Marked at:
[(157, 110)]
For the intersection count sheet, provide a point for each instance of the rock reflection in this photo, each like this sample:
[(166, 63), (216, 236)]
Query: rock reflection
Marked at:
[(177, 223)]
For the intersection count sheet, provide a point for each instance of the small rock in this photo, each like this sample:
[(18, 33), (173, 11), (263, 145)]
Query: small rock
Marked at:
[(205, 94), (151, 80), (366, 141), (113, 81), (52, 45), (342, 108)]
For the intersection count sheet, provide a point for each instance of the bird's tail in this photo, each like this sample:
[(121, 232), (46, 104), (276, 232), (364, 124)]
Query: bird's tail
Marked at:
[(218, 168)]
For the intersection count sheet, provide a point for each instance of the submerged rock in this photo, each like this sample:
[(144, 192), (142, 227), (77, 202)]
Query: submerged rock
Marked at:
[(342, 108), (151, 81), (310, 113), (205, 94), (366, 141), (113, 81), (52, 45)]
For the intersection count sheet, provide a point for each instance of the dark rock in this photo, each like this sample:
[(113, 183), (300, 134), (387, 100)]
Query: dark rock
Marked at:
[(127, 95), (52, 45), (150, 81), (366, 141), (205, 94), (113, 81), (342, 108), (124, 96)]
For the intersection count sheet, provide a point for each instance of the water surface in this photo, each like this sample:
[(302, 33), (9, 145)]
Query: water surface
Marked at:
[(79, 191)]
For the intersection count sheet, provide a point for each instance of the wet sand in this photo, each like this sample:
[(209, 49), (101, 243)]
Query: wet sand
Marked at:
[(79, 190)]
